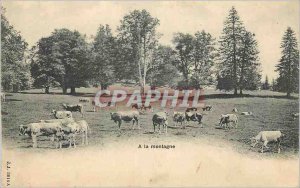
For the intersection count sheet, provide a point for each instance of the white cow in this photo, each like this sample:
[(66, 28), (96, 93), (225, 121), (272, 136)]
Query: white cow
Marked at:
[(62, 114), (74, 128), (266, 137), (42, 129)]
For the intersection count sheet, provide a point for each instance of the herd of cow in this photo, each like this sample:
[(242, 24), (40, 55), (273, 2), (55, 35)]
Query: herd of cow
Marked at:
[(64, 127)]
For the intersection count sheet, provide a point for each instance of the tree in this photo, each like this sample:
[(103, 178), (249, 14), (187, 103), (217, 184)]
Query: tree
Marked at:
[(15, 73), (288, 67), (266, 85), (162, 71), (203, 56), (104, 54), (239, 63), (184, 47), (138, 37), (273, 86), (229, 46), (62, 58), (248, 63)]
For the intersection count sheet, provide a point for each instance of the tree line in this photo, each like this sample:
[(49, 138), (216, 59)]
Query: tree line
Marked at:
[(65, 59)]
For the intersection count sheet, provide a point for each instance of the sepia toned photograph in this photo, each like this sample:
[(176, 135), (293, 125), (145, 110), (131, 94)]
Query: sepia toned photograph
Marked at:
[(150, 93)]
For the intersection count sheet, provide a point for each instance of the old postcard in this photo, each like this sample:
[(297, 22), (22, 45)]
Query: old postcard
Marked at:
[(150, 93)]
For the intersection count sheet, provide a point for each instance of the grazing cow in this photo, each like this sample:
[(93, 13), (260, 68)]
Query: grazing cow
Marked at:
[(194, 116), (207, 108), (228, 119), (191, 109), (266, 137), (141, 106), (295, 115), (42, 129), (74, 128), (74, 108), (235, 110), (247, 113), (62, 114), (160, 119), (84, 99), (126, 116), (2, 97), (179, 117)]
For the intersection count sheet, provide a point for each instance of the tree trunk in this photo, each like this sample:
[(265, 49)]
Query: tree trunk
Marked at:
[(47, 89), (73, 90), (15, 88), (64, 90), (235, 90), (241, 91)]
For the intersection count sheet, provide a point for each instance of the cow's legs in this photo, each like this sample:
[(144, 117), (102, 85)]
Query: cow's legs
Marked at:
[(278, 145), (86, 138), (34, 140), (137, 122), (119, 124), (82, 138), (74, 141), (70, 141), (166, 128)]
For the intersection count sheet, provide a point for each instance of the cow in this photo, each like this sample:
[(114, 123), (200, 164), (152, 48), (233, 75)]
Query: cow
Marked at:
[(3, 97), (295, 115), (84, 99), (247, 113), (160, 119), (207, 108), (61, 114), (235, 110), (83, 130), (74, 108), (179, 117), (228, 119), (74, 128), (127, 116), (265, 137), (42, 129), (194, 116), (191, 109), (142, 107)]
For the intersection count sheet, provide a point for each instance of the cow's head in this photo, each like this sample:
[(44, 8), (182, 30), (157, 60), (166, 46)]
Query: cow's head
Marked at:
[(112, 115), (253, 141), (222, 119), (22, 130), (53, 111)]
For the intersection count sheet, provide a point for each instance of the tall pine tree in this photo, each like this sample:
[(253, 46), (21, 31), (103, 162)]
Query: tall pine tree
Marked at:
[(288, 67), (229, 46)]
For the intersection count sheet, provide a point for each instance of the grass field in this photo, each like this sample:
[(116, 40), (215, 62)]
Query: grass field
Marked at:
[(271, 112)]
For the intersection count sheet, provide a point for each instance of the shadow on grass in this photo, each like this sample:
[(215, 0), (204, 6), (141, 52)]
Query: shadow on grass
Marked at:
[(208, 96), (226, 96), (10, 100)]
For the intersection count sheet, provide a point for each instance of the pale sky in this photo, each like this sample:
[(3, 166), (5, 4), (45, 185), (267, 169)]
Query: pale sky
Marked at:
[(267, 19)]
